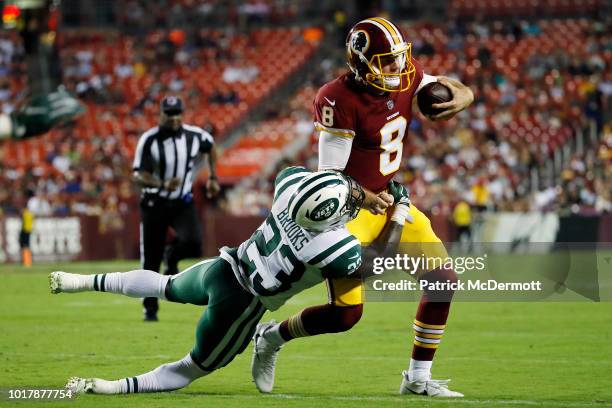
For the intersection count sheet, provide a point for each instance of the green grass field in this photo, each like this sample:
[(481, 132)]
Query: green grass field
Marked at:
[(498, 354)]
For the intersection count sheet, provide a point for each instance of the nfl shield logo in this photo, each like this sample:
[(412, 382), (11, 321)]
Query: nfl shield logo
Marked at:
[(390, 104)]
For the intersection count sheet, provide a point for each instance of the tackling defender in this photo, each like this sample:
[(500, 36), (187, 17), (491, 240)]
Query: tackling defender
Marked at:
[(303, 241), (362, 117)]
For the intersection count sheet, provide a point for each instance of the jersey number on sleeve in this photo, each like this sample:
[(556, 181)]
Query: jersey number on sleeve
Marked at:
[(391, 141), (327, 116)]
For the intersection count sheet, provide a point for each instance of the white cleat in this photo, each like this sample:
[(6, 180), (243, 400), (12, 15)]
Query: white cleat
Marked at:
[(430, 388), (78, 385), (264, 359), (55, 285), (65, 282)]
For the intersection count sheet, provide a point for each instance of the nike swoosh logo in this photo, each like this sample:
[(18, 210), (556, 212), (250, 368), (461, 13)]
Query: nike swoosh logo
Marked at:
[(354, 256), (330, 102)]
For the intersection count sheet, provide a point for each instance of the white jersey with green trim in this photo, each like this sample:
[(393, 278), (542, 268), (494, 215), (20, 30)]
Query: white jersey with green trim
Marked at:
[(282, 259)]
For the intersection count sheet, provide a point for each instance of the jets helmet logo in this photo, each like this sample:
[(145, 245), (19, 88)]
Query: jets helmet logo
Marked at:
[(360, 41), (324, 210)]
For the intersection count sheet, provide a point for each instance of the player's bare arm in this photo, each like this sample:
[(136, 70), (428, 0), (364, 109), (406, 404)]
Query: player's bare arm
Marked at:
[(212, 185), (462, 98), (386, 244)]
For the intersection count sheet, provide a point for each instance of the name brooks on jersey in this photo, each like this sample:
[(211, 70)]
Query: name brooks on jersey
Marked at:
[(294, 232)]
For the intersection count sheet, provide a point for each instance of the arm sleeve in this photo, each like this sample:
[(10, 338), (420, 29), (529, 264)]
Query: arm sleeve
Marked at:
[(336, 126), (334, 151), (142, 158)]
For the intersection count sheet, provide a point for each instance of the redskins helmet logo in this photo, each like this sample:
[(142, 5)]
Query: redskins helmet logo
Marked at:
[(360, 41)]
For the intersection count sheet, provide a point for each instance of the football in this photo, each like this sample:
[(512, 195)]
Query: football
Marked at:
[(431, 94)]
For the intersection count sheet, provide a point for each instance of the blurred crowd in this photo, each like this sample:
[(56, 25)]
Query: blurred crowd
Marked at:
[(496, 155), (141, 14), (585, 183), (85, 168), (96, 183), (166, 56), (138, 16), (12, 71)]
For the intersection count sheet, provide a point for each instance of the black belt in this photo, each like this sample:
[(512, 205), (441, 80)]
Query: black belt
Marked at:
[(188, 198)]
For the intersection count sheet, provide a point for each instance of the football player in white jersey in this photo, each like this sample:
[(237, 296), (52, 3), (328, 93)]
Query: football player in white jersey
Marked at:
[(302, 242)]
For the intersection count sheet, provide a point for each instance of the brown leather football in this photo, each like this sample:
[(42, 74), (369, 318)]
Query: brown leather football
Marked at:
[(430, 94)]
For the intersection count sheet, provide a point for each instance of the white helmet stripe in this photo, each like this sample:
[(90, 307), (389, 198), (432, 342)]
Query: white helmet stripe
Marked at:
[(395, 31), (309, 190), (295, 199)]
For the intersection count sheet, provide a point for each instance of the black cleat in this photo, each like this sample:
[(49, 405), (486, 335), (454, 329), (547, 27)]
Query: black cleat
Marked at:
[(150, 317), (170, 268), (151, 307)]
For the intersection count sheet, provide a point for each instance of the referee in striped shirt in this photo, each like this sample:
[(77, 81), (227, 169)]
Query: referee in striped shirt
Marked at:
[(164, 166)]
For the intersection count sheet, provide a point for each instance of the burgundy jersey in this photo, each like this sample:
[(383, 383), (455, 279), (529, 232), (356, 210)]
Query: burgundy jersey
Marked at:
[(378, 124)]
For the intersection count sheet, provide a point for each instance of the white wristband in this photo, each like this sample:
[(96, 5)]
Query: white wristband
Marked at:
[(400, 213)]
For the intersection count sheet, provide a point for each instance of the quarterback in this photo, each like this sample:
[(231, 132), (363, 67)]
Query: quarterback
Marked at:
[(362, 118), (303, 241)]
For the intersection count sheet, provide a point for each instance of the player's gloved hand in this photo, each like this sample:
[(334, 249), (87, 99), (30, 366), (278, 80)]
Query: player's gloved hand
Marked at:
[(43, 112), (401, 198), (399, 192)]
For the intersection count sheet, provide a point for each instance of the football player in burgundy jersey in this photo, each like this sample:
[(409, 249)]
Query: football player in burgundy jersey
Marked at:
[(362, 118)]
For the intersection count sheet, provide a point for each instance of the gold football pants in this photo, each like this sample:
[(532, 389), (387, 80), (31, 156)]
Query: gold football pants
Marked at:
[(418, 239)]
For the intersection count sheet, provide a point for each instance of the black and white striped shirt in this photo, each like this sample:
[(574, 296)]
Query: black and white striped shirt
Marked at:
[(171, 156)]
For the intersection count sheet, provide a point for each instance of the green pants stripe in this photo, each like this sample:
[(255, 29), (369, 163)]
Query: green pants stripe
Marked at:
[(229, 334), (240, 342), (230, 319)]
